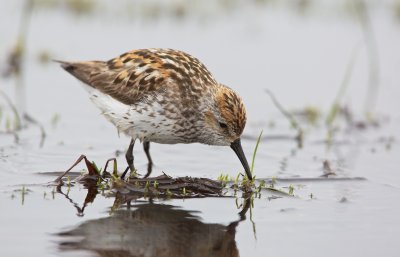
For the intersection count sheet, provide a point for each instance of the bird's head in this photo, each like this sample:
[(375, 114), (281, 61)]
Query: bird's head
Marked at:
[(226, 118)]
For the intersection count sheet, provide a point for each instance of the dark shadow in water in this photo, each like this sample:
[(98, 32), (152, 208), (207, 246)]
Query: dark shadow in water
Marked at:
[(92, 192), (154, 230)]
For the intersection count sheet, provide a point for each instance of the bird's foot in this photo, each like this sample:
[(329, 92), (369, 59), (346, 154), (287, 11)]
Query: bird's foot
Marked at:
[(133, 172)]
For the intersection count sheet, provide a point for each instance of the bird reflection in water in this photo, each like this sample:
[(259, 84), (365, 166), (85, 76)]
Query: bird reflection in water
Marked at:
[(154, 230)]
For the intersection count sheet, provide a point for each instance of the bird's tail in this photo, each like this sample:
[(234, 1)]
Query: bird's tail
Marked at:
[(83, 70)]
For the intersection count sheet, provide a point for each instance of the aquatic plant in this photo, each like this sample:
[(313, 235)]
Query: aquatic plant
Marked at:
[(293, 122), (255, 152), (14, 68)]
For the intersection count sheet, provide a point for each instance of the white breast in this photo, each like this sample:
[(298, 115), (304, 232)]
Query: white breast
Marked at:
[(140, 121)]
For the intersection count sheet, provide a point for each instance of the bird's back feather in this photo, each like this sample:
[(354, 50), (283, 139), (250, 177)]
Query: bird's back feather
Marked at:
[(133, 75)]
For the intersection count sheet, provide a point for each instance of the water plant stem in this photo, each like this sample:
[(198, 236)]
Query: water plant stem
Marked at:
[(255, 152), (289, 116)]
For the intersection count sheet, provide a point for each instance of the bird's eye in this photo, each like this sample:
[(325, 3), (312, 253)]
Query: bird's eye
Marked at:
[(223, 125)]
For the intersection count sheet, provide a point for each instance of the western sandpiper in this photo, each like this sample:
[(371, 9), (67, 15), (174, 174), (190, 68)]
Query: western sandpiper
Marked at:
[(163, 96)]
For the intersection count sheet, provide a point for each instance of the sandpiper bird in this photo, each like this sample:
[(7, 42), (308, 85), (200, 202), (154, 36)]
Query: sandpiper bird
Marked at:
[(163, 96)]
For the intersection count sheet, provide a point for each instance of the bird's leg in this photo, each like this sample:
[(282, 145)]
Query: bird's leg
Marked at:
[(146, 148), (129, 156)]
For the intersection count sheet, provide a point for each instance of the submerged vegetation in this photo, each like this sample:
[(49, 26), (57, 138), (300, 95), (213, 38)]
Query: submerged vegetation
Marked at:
[(163, 186)]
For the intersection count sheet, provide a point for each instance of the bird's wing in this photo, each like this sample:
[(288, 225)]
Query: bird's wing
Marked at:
[(133, 75)]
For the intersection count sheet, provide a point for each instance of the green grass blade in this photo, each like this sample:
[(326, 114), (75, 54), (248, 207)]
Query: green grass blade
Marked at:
[(255, 152), (334, 109)]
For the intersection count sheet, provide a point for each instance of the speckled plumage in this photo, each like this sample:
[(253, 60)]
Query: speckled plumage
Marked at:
[(163, 96)]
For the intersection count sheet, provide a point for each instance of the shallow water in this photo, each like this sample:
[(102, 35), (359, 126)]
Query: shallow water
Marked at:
[(301, 57)]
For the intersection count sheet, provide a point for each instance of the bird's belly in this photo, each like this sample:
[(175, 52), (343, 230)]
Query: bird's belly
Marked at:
[(142, 121)]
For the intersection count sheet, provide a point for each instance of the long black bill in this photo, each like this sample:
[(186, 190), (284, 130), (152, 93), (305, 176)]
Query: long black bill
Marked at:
[(237, 147)]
